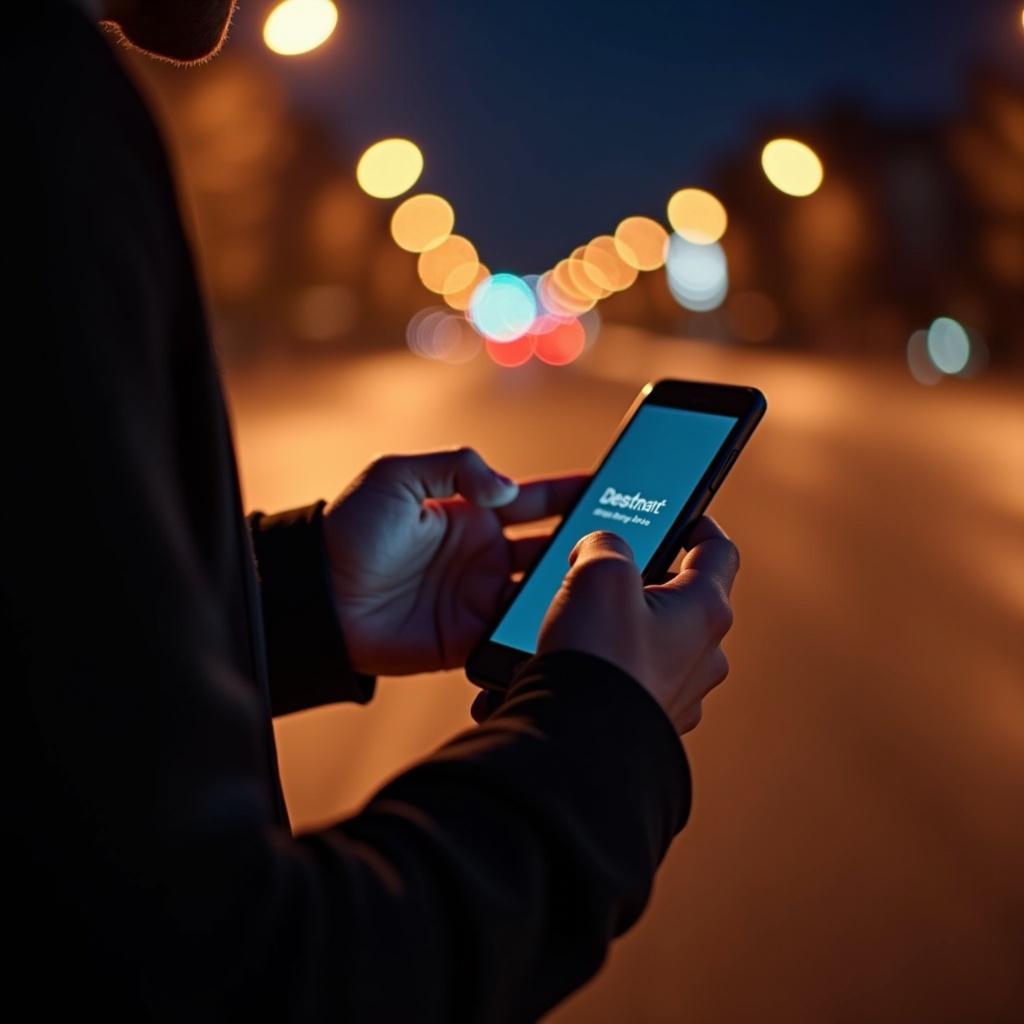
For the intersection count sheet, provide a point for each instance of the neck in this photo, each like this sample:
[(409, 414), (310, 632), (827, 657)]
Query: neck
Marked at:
[(95, 9)]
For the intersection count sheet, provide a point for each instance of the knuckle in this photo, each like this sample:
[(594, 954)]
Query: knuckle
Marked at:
[(721, 667), (467, 454), (381, 465), (733, 554), (718, 613), (691, 717)]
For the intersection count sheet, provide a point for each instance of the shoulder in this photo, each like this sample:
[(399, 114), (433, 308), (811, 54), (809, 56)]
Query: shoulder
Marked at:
[(84, 138)]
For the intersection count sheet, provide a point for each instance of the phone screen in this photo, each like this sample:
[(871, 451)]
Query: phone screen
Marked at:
[(639, 490)]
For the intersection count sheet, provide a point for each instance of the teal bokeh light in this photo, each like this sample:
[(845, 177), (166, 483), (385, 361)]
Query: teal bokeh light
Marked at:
[(503, 307)]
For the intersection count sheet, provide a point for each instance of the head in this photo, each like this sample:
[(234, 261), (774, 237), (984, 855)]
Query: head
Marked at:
[(181, 31)]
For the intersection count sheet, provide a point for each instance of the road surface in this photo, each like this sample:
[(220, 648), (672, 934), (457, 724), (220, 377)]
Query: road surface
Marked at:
[(856, 848)]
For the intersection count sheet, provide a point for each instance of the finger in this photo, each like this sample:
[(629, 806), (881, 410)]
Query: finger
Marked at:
[(543, 497), (705, 528), (446, 473), (688, 719), (712, 555), (523, 551), (600, 544), (485, 704)]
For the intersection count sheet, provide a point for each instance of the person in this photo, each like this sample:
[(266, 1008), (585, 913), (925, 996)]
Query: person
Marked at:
[(151, 631)]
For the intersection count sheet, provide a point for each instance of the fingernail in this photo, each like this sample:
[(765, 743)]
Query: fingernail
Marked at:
[(508, 482)]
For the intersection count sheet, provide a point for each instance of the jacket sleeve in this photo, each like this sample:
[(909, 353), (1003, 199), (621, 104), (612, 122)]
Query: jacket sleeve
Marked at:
[(151, 877), (306, 654)]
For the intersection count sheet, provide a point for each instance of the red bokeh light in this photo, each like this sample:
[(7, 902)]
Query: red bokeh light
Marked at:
[(562, 345), (511, 353)]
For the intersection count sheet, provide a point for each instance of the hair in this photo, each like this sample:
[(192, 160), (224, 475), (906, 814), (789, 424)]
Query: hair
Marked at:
[(181, 32)]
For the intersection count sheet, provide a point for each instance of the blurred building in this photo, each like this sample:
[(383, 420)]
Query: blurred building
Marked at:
[(291, 251), (913, 221)]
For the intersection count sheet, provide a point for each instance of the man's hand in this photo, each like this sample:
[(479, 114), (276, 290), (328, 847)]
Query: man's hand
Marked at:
[(666, 636), (419, 559)]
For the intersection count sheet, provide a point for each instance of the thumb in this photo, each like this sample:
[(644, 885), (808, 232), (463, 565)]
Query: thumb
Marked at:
[(446, 473), (600, 544)]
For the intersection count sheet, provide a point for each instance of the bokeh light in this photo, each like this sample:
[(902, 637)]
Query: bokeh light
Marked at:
[(422, 222), (697, 216), (389, 168), (642, 243), (450, 266), (698, 276), (922, 369), (298, 26), (582, 282), (460, 298), (503, 307), (591, 322), (438, 334), (510, 353), (604, 265), (949, 346), (792, 167), (561, 346), (560, 295)]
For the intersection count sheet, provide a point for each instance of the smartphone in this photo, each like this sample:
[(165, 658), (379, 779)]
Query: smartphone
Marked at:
[(673, 449)]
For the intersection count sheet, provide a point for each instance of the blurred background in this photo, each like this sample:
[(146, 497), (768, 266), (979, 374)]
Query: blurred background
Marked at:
[(421, 225)]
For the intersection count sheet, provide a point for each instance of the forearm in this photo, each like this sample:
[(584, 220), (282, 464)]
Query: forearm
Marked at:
[(306, 653)]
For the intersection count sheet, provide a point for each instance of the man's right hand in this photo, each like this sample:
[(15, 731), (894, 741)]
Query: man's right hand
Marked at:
[(666, 636)]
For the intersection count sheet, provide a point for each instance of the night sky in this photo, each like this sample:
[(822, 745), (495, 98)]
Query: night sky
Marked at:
[(546, 123)]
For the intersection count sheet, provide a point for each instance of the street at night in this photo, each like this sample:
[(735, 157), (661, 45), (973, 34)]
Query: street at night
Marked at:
[(322, 299), (855, 845)]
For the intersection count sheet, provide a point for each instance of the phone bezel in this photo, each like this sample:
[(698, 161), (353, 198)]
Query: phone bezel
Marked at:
[(492, 665)]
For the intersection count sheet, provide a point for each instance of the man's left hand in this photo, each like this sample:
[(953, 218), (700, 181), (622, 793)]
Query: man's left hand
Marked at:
[(418, 556)]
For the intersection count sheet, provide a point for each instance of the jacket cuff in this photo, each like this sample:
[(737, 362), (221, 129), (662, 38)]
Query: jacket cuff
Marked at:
[(307, 659), (615, 729)]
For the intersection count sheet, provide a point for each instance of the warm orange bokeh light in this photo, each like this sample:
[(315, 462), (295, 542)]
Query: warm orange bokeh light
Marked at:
[(422, 222), (560, 295), (450, 267), (298, 26), (642, 243), (461, 297), (604, 265), (583, 283), (389, 168), (697, 215)]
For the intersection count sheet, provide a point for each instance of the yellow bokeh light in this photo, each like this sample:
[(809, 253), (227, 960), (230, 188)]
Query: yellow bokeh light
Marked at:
[(642, 243), (603, 264), (422, 222), (389, 168), (460, 298), (697, 215), (450, 267), (298, 26), (792, 167)]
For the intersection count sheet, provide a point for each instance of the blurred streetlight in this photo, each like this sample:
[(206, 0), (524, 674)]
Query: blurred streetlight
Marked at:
[(792, 167), (697, 215), (389, 168), (298, 26)]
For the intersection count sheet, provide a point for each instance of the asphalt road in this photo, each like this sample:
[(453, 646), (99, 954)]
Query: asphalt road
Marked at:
[(856, 848)]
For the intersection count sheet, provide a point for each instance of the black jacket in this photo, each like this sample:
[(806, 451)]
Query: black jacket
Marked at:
[(152, 874)]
